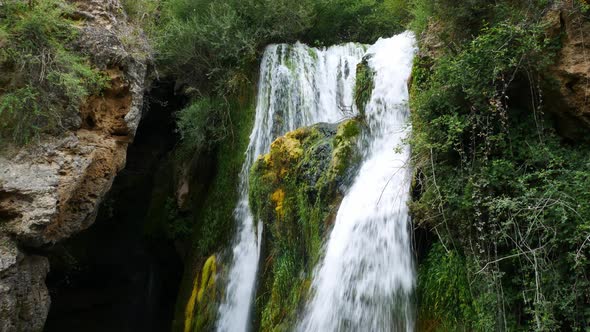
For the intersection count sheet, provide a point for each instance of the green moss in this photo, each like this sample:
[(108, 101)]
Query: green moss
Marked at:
[(344, 153), (295, 191), (201, 309), (364, 85)]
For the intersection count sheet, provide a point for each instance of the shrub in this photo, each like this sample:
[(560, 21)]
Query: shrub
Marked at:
[(43, 80), (214, 45), (500, 187), (202, 124)]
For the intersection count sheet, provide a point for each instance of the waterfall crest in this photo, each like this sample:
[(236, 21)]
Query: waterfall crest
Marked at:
[(298, 86), (366, 278)]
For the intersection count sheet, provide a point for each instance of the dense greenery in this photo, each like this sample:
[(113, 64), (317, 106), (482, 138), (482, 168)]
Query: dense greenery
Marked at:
[(203, 124), (212, 48), (505, 194), (212, 221), (217, 43), (43, 80)]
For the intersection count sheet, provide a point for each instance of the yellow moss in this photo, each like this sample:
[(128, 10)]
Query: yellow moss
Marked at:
[(278, 197), (287, 146), (207, 277), (207, 281), (189, 312), (267, 159)]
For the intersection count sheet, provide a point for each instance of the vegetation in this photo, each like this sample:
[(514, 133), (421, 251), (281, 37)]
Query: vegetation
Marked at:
[(364, 85), (203, 124), (43, 80), (504, 193), (211, 218), (202, 299), (295, 191), (218, 43), (212, 49), (499, 184)]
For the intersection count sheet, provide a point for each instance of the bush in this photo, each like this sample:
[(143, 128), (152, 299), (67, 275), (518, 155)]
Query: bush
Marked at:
[(214, 45), (43, 81), (202, 124), (143, 13), (362, 21), (502, 189)]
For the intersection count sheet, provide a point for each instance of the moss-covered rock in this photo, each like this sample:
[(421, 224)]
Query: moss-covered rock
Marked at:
[(364, 84), (295, 190), (201, 307)]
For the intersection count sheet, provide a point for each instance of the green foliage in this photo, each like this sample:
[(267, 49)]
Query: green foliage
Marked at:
[(362, 21), (215, 222), (177, 226), (504, 193), (42, 79), (201, 125), (141, 11), (445, 294), (215, 44), (421, 12), (212, 216), (364, 85)]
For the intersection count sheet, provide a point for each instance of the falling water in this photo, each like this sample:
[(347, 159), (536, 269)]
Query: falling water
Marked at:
[(366, 279), (298, 86)]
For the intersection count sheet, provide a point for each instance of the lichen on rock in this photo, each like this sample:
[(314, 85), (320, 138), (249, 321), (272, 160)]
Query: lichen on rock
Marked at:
[(295, 190)]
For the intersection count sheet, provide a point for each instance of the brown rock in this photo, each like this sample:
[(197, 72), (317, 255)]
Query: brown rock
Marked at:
[(572, 69), (52, 190)]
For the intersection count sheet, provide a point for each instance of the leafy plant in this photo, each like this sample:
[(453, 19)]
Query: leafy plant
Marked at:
[(497, 184), (202, 125)]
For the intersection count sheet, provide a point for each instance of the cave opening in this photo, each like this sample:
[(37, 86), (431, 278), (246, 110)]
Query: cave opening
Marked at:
[(114, 276)]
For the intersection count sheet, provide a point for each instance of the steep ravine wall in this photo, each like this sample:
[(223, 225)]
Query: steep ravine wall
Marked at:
[(117, 275), (52, 189)]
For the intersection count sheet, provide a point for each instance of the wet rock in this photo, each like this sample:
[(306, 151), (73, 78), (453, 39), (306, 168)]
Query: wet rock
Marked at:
[(295, 190)]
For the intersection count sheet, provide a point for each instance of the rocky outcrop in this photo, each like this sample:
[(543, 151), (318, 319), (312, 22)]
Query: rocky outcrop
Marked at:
[(295, 190), (572, 69), (51, 190)]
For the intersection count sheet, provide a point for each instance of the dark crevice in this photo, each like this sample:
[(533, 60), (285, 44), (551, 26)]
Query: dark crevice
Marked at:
[(112, 276)]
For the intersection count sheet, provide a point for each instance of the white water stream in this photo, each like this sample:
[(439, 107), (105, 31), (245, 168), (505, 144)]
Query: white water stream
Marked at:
[(298, 86), (366, 278)]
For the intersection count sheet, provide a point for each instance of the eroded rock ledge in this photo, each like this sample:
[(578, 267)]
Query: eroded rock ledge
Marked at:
[(51, 190)]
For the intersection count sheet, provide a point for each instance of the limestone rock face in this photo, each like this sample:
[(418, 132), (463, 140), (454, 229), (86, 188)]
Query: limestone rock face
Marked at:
[(52, 190), (572, 69)]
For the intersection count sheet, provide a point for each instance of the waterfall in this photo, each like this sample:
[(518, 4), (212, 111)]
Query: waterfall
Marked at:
[(298, 86), (366, 278)]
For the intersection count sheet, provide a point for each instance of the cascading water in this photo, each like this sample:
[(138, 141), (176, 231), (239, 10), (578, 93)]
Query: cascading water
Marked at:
[(367, 276), (298, 86)]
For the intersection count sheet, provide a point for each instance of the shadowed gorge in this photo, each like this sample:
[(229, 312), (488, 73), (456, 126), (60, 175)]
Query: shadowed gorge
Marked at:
[(115, 276)]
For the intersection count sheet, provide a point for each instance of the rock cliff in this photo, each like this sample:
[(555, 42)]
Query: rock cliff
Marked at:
[(52, 189), (572, 67)]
